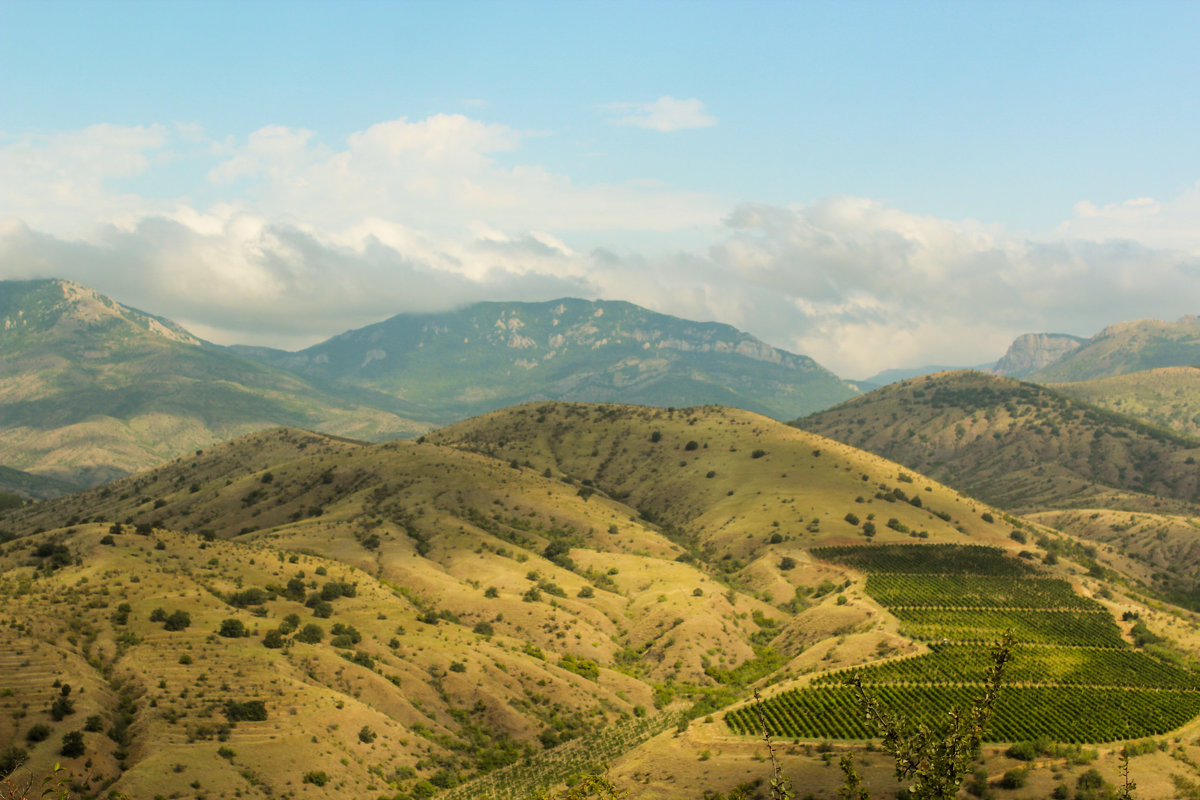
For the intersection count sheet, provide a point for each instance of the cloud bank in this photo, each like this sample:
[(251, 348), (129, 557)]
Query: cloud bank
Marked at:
[(302, 240)]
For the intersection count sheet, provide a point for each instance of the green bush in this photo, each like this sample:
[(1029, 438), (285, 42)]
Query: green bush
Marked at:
[(232, 629), (72, 745), (310, 634)]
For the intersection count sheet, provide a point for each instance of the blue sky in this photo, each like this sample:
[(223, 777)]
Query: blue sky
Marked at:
[(815, 173)]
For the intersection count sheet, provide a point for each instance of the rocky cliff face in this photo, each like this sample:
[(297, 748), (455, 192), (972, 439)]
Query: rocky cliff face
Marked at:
[(1033, 351)]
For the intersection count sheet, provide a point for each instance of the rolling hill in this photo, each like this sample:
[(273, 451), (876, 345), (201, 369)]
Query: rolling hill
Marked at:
[(1168, 397), (449, 366), (91, 390), (1019, 445), (497, 606)]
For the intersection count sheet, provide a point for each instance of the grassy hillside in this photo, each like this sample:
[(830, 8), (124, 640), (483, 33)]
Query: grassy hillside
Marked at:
[(91, 390), (1128, 347), (551, 573), (1168, 397), (487, 356), (1019, 445), (29, 485)]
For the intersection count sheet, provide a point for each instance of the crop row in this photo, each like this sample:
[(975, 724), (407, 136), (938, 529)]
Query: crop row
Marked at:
[(1087, 628), (1063, 714), (976, 591), (1064, 666), (586, 754), (926, 559)]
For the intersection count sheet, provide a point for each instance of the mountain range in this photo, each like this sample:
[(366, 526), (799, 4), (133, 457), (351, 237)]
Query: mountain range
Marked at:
[(91, 390)]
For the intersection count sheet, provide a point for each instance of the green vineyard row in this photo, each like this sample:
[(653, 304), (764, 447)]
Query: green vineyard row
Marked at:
[(926, 559), (976, 591), (1073, 666), (1062, 714), (1087, 628)]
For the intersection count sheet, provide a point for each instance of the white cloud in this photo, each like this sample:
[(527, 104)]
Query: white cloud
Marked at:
[(62, 181), (1172, 224), (666, 114), (306, 239)]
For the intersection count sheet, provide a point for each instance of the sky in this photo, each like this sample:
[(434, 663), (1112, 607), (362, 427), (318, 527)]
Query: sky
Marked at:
[(876, 185)]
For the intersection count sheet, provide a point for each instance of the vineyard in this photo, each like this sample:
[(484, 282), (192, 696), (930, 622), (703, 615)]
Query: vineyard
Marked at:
[(963, 591), (1064, 666), (587, 754), (1086, 628), (1072, 678), (926, 559), (1059, 713)]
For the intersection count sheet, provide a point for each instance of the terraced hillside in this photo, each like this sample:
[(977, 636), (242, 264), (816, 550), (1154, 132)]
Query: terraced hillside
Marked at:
[(497, 605), (1019, 445), (488, 610), (1076, 678)]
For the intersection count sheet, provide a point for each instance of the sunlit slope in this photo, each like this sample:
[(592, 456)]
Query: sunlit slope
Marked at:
[(1018, 445), (728, 479), (1168, 397), (548, 573), (449, 552)]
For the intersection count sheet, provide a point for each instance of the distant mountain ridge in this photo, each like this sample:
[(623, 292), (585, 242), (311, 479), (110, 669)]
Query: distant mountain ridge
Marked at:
[(1031, 352), (91, 390), (457, 364), (1127, 347)]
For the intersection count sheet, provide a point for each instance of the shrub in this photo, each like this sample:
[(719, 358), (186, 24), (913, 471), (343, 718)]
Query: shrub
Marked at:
[(249, 710), (232, 629), (758, 453), (38, 733), (310, 634), (72, 745), (852, 518), (483, 628), (61, 707), (656, 436), (691, 445), (316, 778), (177, 621), (786, 563), (273, 640), (1014, 778), (12, 758)]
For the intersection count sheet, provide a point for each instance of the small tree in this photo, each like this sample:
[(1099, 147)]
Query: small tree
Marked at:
[(232, 628), (935, 760), (72, 745)]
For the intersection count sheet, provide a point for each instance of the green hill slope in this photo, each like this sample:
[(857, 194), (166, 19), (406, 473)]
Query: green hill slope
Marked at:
[(91, 390), (1128, 347), (1019, 445), (487, 356), (1168, 397)]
